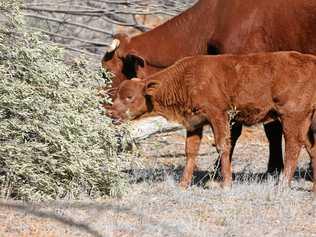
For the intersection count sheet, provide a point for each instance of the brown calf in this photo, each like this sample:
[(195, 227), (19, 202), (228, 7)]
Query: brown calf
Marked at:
[(246, 89)]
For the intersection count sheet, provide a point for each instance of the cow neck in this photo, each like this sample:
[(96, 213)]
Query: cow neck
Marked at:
[(184, 35)]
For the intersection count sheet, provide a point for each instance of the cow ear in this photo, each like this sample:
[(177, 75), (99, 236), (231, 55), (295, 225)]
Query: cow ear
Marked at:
[(131, 64), (151, 87), (123, 38), (108, 56), (135, 60), (119, 41)]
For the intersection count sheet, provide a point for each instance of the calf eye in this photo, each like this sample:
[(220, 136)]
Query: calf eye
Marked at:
[(129, 98)]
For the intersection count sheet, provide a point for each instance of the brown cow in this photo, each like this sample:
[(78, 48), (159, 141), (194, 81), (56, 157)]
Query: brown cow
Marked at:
[(219, 27), (215, 27), (247, 89)]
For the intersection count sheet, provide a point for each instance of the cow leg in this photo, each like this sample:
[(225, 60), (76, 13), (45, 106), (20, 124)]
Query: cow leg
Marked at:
[(311, 148), (235, 132), (295, 131), (221, 131), (312, 152), (314, 172), (192, 145), (273, 132)]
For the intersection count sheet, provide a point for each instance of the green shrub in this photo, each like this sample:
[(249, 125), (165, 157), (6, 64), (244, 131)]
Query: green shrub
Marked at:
[(54, 142)]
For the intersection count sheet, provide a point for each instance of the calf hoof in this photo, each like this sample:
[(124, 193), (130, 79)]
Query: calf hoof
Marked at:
[(284, 184), (184, 184), (226, 186)]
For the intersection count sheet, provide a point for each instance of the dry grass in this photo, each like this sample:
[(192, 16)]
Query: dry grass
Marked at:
[(155, 206), (163, 209)]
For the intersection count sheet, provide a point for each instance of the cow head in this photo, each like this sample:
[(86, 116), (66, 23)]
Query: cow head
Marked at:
[(122, 60)]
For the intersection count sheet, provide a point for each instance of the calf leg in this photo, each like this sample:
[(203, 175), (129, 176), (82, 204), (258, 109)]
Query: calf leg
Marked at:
[(235, 132), (221, 130), (273, 132), (292, 150), (192, 145), (295, 130)]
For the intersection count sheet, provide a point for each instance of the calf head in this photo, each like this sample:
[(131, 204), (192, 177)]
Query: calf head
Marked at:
[(134, 100), (130, 102), (122, 60)]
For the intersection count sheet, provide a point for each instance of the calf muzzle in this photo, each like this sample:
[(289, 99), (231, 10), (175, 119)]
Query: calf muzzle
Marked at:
[(116, 120)]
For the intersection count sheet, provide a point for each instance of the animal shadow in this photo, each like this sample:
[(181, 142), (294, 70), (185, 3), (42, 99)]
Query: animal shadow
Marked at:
[(202, 177)]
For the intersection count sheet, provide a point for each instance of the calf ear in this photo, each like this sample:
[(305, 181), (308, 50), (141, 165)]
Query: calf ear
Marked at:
[(131, 64), (151, 87)]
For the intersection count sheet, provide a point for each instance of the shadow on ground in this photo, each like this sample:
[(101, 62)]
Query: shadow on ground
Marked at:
[(35, 210), (201, 177), (40, 210)]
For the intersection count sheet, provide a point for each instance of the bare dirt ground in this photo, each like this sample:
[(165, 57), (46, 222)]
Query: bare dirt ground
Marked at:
[(155, 206)]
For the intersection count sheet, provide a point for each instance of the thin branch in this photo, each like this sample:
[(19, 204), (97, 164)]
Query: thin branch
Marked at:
[(61, 5), (142, 13), (101, 12), (73, 12), (136, 26), (70, 47), (70, 37), (69, 23), (92, 13)]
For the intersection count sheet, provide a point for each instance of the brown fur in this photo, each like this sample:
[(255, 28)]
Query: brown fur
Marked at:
[(220, 27), (246, 89), (216, 27)]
